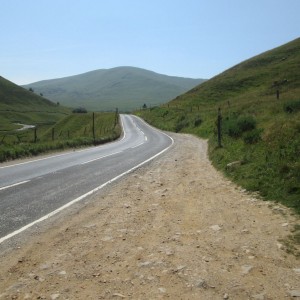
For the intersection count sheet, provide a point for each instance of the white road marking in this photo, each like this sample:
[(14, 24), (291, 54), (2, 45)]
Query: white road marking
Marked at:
[(84, 195), (140, 144), (12, 185), (86, 162)]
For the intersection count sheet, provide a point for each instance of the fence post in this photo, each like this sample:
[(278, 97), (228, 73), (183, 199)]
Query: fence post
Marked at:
[(94, 127), (219, 123), (116, 117), (35, 134)]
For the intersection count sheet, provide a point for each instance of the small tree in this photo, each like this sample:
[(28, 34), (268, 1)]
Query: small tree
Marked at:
[(80, 110)]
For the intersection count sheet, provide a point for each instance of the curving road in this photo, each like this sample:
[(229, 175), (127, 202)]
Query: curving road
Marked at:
[(34, 190)]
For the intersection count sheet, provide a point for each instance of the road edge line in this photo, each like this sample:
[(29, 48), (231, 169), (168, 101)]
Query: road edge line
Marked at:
[(85, 195)]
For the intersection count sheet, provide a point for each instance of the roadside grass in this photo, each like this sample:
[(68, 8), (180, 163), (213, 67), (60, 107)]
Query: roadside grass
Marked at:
[(75, 130), (260, 126)]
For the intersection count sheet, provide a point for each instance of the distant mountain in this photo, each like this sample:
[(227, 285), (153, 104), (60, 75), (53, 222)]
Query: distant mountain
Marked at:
[(18, 105), (127, 88)]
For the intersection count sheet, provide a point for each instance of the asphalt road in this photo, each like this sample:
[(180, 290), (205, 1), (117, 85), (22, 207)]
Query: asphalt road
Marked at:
[(31, 191)]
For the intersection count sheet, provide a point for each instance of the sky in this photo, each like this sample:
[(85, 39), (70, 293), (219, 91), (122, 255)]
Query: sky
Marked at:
[(46, 39)]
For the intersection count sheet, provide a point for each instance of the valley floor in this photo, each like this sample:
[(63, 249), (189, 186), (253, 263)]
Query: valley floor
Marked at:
[(175, 229)]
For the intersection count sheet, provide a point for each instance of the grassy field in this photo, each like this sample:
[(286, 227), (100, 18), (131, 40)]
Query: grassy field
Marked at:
[(260, 106)]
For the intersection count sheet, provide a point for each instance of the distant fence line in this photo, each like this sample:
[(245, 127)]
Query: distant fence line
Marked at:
[(31, 135)]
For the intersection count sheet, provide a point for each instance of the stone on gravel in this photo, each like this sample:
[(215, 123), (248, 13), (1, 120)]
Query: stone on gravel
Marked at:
[(294, 293), (246, 269), (119, 295), (215, 227)]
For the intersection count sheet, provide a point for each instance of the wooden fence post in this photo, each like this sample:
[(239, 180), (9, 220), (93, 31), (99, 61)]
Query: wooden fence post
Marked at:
[(94, 137), (116, 117), (35, 134)]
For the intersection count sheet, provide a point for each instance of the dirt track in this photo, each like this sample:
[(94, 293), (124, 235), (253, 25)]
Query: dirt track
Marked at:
[(175, 229)]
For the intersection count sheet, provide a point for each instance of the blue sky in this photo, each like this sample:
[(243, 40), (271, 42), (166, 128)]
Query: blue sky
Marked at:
[(45, 39)]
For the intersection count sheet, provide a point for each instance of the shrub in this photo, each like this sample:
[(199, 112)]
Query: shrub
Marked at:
[(292, 106), (232, 129), (253, 136), (181, 123), (246, 123), (236, 126), (79, 110), (197, 122), (165, 113)]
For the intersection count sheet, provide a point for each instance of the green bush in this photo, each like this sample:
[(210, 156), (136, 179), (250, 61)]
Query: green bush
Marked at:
[(253, 136), (181, 123), (292, 106), (79, 110), (232, 129), (246, 123), (236, 126), (197, 122)]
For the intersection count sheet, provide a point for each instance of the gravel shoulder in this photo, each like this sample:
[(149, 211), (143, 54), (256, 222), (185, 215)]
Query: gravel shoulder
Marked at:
[(174, 229)]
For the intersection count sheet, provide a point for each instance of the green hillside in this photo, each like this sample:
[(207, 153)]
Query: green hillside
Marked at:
[(260, 106), (127, 88), (18, 105)]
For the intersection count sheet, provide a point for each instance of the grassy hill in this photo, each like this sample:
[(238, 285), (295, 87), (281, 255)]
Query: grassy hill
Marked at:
[(260, 106), (127, 88), (18, 105)]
